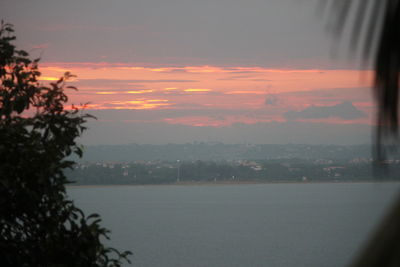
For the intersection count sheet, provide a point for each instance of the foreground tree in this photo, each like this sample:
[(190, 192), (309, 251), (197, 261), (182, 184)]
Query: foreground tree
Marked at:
[(39, 225), (376, 33)]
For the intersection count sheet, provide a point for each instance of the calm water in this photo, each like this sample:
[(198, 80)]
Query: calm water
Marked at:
[(301, 225)]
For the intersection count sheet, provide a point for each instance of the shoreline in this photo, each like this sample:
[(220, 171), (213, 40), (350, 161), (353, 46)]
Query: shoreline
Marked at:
[(227, 183)]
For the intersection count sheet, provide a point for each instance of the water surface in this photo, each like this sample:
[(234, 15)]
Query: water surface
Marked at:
[(274, 225)]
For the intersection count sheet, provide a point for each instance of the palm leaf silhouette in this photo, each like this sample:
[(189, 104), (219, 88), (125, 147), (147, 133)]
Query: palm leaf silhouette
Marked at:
[(375, 35)]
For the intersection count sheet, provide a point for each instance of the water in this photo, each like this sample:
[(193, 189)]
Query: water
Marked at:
[(274, 225)]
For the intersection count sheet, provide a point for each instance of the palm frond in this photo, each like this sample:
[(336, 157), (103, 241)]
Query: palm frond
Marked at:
[(375, 34)]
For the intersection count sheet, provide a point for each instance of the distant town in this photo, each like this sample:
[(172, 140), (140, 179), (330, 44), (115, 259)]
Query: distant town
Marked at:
[(224, 163)]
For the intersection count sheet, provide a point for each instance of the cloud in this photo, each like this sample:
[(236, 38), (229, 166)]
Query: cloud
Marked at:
[(271, 100), (114, 81), (345, 110), (120, 92), (180, 110), (238, 77), (197, 90), (249, 92)]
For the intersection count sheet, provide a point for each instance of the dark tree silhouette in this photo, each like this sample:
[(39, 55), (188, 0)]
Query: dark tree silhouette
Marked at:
[(39, 225), (376, 33)]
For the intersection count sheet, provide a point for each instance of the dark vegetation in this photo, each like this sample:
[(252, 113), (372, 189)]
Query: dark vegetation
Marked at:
[(39, 225), (209, 162), (164, 172)]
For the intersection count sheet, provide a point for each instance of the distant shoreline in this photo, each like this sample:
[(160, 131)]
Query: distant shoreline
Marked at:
[(223, 183)]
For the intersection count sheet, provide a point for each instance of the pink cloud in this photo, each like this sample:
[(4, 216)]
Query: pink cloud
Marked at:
[(131, 86)]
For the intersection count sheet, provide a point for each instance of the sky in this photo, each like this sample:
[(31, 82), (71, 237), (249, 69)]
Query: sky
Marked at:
[(176, 71)]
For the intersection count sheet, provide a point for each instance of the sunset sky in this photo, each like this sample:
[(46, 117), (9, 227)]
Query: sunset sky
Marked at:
[(233, 71)]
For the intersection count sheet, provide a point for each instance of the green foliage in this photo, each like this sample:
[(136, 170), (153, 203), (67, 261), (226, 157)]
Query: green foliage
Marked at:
[(39, 225)]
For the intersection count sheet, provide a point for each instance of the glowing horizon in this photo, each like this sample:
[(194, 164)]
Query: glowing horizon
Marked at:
[(266, 91)]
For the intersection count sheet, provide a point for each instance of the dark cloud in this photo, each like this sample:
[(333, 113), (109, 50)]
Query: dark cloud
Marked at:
[(271, 100), (345, 110), (177, 71), (358, 93)]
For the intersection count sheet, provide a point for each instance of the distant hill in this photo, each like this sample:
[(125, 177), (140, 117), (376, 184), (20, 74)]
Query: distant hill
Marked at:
[(220, 151)]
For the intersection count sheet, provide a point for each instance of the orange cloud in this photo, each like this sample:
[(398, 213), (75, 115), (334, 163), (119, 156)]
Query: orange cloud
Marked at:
[(106, 93), (107, 85), (197, 90), (138, 104), (44, 78), (140, 92), (204, 69), (160, 69), (246, 92)]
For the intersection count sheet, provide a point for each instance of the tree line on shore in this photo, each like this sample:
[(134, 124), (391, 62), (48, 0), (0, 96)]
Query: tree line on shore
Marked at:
[(164, 172)]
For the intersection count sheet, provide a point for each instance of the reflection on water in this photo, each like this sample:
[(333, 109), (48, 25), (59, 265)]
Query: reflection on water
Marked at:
[(310, 225)]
